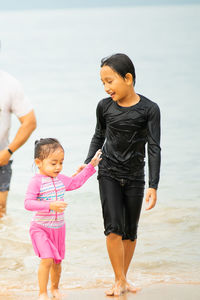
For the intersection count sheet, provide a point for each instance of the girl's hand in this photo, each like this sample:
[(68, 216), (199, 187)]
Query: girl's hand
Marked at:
[(151, 198), (80, 168), (58, 206), (96, 159)]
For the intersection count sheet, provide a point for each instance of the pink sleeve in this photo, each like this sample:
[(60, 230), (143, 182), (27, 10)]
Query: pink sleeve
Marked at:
[(72, 183), (31, 202)]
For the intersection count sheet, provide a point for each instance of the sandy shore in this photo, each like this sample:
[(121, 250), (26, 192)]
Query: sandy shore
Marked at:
[(154, 292)]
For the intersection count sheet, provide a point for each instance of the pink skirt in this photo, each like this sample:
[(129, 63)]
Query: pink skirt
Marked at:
[(48, 242)]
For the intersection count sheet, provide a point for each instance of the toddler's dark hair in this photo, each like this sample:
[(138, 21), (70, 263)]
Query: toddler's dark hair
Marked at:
[(44, 147), (121, 64)]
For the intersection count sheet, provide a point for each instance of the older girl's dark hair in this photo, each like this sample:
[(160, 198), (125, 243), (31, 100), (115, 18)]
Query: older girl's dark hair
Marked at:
[(121, 64), (44, 147)]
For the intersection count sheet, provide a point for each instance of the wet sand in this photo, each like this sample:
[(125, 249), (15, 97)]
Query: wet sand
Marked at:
[(154, 292)]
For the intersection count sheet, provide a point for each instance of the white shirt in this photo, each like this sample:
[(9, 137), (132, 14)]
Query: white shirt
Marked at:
[(12, 100)]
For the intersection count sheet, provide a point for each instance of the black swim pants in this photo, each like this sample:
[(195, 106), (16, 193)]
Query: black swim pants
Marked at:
[(121, 205)]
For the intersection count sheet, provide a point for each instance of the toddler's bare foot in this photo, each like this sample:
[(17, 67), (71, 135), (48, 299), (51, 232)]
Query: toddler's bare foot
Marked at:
[(131, 288), (110, 292), (43, 296), (117, 289), (56, 294)]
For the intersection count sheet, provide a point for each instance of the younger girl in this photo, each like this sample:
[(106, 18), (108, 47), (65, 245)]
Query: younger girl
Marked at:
[(45, 195)]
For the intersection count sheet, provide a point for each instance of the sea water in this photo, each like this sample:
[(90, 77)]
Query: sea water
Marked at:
[(56, 55)]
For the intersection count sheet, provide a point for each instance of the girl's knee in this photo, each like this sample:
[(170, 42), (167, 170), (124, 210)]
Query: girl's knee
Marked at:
[(56, 265), (47, 262), (113, 237)]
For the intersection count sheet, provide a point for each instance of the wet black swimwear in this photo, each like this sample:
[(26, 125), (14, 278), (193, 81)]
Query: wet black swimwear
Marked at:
[(121, 206), (122, 133)]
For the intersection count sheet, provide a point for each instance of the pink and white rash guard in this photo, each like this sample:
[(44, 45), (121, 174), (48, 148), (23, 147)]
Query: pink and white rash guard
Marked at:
[(44, 189)]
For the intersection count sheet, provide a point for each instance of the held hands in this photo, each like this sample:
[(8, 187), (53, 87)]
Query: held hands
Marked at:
[(58, 206), (96, 158), (4, 157), (95, 161), (151, 197), (80, 168)]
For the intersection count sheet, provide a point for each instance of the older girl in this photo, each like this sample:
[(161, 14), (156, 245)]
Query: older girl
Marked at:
[(126, 121)]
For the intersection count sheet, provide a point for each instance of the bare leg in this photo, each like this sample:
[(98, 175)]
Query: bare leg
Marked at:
[(55, 278), (43, 277), (116, 254), (129, 248), (3, 200)]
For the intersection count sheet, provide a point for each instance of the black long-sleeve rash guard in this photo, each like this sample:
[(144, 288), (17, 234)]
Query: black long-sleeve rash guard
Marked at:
[(122, 133)]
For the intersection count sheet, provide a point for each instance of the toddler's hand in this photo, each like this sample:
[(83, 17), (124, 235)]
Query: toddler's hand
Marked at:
[(80, 168), (58, 206), (96, 159)]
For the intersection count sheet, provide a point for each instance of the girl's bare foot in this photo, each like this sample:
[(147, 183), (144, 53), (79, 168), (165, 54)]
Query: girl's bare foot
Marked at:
[(117, 289), (56, 294), (110, 292), (43, 296), (131, 288)]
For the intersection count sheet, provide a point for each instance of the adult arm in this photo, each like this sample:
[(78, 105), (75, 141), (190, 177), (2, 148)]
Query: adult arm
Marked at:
[(19, 105), (28, 124)]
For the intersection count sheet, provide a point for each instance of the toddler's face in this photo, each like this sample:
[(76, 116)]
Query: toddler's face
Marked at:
[(52, 165)]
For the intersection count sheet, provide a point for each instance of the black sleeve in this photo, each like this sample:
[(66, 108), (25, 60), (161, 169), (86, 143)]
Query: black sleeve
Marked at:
[(99, 135), (153, 146)]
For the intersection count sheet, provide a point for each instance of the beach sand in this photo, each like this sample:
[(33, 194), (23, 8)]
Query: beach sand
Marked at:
[(154, 292)]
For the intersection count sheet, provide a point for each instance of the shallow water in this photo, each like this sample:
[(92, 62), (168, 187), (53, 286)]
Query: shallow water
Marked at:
[(56, 55)]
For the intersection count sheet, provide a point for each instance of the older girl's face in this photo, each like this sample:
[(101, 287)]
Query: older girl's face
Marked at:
[(114, 84)]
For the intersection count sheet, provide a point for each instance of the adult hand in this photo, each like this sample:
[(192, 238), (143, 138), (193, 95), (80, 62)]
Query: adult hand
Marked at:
[(58, 206), (96, 159), (80, 168), (4, 157), (151, 197)]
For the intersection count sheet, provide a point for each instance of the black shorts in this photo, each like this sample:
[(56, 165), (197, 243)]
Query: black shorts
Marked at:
[(121, 205), (5, 177)]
